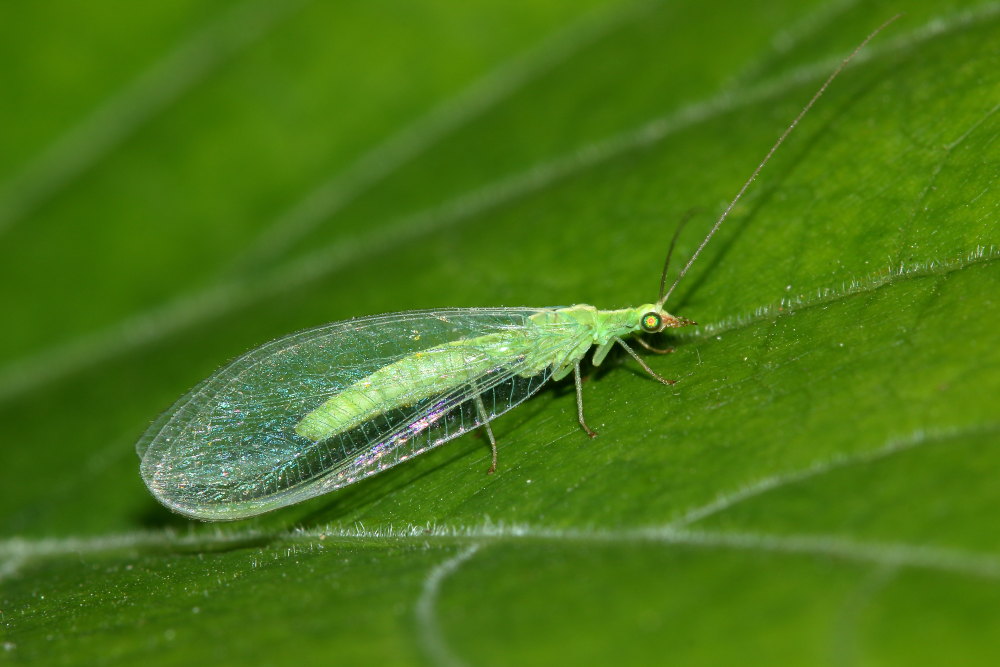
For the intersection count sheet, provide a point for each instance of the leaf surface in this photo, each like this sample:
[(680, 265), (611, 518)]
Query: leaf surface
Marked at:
[(818, 487)]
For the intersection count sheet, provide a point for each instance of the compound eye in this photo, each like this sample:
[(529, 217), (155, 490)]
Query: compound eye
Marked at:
[(651, 322)]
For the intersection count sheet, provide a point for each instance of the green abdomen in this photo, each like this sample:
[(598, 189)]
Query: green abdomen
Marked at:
[(431, 372)]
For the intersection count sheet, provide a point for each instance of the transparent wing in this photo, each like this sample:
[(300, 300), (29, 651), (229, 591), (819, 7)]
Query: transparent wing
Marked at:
[(228, 449)]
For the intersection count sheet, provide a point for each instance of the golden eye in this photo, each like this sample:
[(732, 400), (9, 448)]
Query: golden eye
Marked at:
[(651, 322)]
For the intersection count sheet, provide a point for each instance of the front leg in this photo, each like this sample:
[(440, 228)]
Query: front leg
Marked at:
[(655, 350), (642, 363)]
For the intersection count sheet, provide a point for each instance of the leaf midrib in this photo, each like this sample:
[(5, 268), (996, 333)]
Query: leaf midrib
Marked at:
[(19, 552)]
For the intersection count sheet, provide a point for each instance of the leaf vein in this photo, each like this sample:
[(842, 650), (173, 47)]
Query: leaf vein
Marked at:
[(917, 438), (431, 638)]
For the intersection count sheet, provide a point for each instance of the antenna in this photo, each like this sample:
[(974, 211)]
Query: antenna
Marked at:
[(670, 251), (767, 158)]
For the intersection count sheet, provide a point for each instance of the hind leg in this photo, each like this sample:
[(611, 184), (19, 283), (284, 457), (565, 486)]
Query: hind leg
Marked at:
[(579, 401)]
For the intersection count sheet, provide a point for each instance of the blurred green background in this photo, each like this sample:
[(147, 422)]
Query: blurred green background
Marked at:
[(182, 181)]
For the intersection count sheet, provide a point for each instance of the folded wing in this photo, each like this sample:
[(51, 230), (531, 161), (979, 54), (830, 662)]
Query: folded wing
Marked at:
[(319, 409)]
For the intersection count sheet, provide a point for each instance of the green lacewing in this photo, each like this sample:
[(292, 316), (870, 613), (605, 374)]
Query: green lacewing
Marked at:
[(320, 409)]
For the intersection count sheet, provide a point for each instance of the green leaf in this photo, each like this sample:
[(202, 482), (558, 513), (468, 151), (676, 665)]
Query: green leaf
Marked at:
[(183, 184)]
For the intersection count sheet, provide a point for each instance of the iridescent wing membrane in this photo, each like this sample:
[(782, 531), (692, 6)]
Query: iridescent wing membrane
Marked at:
[(228, 449)]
